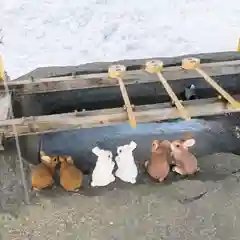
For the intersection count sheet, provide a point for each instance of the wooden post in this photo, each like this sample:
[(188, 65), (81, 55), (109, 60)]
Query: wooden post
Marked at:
[(156, 66), (14, 128), (194, 64), (117, 72), (2, 75), (1, 142), (238, 47), (1, 69)]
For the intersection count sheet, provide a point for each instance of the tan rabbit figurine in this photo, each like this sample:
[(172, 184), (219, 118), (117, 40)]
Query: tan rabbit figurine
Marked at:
[(185, 161), (71, 178), (158, 167), (42, 174)]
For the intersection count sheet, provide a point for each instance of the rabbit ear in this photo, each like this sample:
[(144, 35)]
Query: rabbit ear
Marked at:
[(46, 159), (133, 145), (96, 151), (69, 159), (62, 159), (42, 153), (189, 143)]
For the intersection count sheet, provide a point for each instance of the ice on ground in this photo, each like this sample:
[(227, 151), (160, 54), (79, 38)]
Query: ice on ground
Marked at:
[(59, 33)]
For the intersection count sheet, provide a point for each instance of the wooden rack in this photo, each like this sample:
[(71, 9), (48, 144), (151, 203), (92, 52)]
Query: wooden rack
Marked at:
[(15, 127), (133, 114)]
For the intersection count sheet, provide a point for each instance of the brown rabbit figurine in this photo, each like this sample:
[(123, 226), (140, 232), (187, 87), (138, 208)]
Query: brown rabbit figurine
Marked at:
[(71, 178), (42, 174), (186, 162), (158, 167)]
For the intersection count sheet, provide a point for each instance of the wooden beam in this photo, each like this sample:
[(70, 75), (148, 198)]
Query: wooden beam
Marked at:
[(101, 80), (106, 117)]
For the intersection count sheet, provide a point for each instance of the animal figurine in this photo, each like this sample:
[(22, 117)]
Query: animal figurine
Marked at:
[(42, 174), (158, 167), (186, 162), (71, 178), (127, 170), (102, 174)]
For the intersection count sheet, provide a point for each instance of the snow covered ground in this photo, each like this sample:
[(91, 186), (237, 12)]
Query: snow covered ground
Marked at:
[(48, 32)]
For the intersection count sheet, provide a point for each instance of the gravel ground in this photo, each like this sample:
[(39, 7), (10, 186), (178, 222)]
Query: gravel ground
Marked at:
[(204, 207)]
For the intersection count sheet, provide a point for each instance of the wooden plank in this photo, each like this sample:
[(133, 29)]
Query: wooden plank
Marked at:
[(101, 80), (106, 117), (131, 64)]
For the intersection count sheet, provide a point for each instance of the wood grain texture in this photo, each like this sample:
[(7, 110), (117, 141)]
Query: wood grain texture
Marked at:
[(97, 80), (105, 117)]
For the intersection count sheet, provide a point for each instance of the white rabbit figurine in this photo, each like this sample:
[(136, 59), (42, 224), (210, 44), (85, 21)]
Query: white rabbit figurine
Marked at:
[(127, 170), (102, 174)]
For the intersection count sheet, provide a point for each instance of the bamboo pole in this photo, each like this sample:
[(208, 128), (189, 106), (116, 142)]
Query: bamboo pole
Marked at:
[(116, 72), (238, 47), (1, 69), (156, 67), (194, 64)]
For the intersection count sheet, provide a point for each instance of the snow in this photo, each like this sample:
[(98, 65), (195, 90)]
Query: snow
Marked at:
[(48, 32)]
